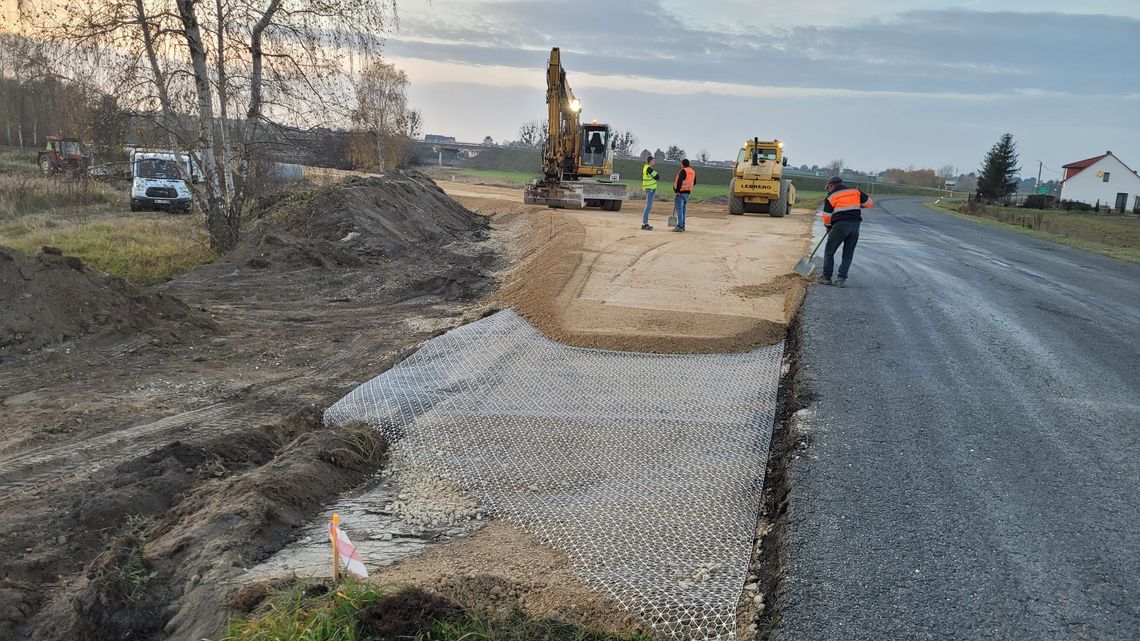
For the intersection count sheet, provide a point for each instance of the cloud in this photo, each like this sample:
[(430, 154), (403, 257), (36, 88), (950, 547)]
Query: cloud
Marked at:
[(936, 51), (931, 86)]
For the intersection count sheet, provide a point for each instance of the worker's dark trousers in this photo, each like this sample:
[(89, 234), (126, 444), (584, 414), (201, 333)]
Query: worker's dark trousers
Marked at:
[(846, 232)]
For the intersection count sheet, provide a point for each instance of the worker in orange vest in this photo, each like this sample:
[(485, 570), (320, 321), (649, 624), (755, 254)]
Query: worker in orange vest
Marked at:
[(842, 213), (683, 187)]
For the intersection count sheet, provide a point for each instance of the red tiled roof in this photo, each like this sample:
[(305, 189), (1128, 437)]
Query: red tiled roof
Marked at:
[(1082, 164)]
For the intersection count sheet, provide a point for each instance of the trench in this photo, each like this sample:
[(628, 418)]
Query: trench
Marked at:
[(761, 622)]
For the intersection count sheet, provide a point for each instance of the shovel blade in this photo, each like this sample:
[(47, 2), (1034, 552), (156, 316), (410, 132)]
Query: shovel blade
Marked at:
[(805, 267)]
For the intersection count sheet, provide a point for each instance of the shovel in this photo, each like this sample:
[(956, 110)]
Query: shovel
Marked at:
[(673, 218), (805, 267)]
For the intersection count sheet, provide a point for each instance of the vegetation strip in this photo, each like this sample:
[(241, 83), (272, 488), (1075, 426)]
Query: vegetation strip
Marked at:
[(1124, 229)]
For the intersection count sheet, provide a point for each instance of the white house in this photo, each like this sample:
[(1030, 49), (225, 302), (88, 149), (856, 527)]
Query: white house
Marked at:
[(1104, 179)]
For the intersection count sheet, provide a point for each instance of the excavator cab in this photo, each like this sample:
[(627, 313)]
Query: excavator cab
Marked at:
[(597, 140), (578, 159)]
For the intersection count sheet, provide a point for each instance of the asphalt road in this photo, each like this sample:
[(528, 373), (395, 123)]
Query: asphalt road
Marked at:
[(974, 461)]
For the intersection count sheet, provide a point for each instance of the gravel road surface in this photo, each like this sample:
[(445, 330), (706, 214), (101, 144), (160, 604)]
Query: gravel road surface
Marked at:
[(974, 461)]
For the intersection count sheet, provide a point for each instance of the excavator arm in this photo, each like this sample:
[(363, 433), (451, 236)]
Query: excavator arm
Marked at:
[(566, 181), (563, 126)]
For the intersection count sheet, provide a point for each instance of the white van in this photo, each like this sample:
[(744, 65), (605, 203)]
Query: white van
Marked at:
[(157, 182)]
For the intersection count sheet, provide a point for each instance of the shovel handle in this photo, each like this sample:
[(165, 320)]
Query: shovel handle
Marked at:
[(818, 244)]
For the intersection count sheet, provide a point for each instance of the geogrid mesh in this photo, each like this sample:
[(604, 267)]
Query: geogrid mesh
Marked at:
[(644, 469)]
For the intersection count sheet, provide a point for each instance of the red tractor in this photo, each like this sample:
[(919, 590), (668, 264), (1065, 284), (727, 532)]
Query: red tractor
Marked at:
[(64, 155)]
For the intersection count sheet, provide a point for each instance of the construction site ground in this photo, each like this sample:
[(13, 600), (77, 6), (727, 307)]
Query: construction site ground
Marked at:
[(147, 463)]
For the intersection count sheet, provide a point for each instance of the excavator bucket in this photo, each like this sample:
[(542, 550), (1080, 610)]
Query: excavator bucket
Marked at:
[(560, 195), (576, 194)]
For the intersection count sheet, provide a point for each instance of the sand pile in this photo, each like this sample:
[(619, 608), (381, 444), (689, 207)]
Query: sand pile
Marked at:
[(49, 298)]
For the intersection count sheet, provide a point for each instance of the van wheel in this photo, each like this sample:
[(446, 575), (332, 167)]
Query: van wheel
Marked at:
[(135, 206)]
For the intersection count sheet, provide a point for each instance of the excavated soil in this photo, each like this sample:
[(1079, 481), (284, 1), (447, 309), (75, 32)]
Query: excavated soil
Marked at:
[(140, 476), (594, 279), (501, 570), (50, 299)]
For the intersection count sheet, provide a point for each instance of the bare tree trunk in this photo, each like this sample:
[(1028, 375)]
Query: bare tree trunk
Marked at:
[(223, 218), (256, 82), (223, 106), (166, 112)]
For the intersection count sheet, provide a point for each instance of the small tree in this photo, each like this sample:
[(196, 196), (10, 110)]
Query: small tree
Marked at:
[(835, 167), (645, 153), (532, 135), (998, 179), (382, 111), (659, 155), (488, 141), (624, 143), (704, 155), (675, 153)]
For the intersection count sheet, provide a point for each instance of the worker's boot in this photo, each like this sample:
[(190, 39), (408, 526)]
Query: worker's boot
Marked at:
[(647, 228), (841, 282), (824, 280)]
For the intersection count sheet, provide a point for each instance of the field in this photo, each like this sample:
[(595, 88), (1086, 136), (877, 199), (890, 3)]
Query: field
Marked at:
[(91, 220), (1113, 235), (702, 192), (512, 167)]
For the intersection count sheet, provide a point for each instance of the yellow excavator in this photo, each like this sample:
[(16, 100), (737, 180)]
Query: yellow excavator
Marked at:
[(758, 185), (578, 160)]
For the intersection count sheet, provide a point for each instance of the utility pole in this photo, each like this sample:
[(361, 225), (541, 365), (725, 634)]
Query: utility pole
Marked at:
[(1039, 166)]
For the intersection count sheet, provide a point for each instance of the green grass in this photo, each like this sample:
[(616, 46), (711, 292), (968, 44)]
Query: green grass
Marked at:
[(144, 249), (301, 614), (806, 199), (87, 219), (1113, 235), (809, 199), (700, 192), (293, 615)]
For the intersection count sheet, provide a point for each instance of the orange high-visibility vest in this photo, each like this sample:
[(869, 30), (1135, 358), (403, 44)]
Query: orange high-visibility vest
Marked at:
[(842, 200), (689, 179)]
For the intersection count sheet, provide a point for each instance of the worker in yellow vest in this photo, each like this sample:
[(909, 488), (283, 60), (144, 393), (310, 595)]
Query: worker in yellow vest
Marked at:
[(649, 178), (683, 187)]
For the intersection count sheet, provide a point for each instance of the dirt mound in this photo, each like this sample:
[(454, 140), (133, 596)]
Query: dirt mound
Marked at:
[(50, 298), (361, 220), (715, 200), (171, 577)]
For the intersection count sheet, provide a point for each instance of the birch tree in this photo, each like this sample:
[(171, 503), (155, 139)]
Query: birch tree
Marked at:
[(382, 111), (195, 65)]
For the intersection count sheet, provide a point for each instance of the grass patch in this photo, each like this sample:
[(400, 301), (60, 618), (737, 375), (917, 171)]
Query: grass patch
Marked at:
[(143, 249), (135, 575), (356, 611), (18, 161), (85, 218), (1113, 235), (809, 199), (30, 193)]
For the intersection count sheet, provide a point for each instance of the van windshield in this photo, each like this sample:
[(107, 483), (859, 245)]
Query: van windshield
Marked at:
[(157, 168)]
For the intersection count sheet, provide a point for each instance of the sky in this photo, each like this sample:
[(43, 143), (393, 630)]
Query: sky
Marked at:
[(877, 83)]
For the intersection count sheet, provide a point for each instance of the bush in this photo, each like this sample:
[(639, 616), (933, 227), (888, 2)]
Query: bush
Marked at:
[(1039, 201), (1072, 205)]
